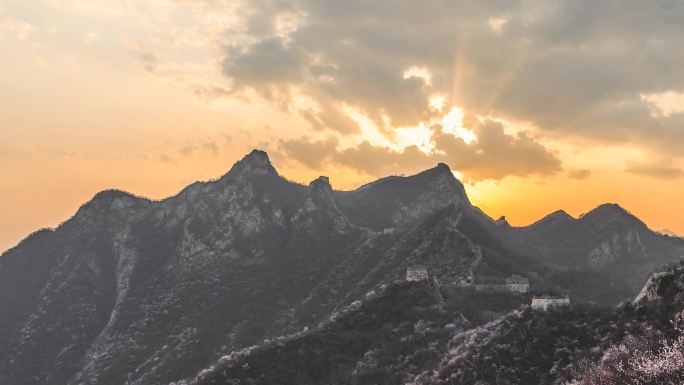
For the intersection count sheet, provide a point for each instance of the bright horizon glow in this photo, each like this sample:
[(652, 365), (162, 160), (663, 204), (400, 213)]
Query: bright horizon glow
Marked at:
[(496, 23), (665, 104), (419, 72), (511, 197), (150, 96), (452, 123)]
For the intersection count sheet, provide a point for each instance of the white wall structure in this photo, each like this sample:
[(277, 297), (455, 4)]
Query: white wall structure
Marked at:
[(416, 273), (517, 284), (546, 302)]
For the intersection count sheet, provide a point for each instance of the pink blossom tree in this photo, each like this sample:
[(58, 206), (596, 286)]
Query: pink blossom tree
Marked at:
[(649, 358)]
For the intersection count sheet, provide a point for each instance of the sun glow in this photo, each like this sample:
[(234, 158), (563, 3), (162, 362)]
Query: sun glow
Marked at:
[(437, 102), (420, 137), (496, 23), (370, 132), (665, 104), (452, 123), (419, 72)]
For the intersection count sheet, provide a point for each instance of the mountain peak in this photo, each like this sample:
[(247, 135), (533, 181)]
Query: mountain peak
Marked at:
[(556, 217), (257, 156), (607, 210), (443, 166), (502, 221), (254, 163), (443, 183), (441, 169), (321, 182), (611, 212)]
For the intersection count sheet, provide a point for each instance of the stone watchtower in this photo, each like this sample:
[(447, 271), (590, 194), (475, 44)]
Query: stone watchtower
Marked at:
[(547, 302), (416, 273), (517, 284)]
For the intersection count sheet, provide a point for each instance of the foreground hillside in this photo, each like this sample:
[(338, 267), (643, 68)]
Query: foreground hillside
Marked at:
[(384, 339), (635, 343), (401, 336), (383, 343)]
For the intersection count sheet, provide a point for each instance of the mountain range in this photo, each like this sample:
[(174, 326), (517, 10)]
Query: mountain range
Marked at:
[(248, 266)]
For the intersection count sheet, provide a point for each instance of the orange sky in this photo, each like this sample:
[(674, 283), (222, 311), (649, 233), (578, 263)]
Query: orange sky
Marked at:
[(148, 97)]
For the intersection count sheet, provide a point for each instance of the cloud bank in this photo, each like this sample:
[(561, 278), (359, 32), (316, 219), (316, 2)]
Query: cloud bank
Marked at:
[(570, 68), (493, 155)]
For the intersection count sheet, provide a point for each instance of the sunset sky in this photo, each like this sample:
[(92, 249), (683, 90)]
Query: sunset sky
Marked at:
[(536, 105)]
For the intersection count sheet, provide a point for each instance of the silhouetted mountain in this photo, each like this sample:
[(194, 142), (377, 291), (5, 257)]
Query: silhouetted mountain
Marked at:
[(607, 251), (598, 238), (554, 220), (145, 292), (134, 291), (401, 201)]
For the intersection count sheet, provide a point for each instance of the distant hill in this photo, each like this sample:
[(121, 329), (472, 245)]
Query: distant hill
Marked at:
[(606, 253)]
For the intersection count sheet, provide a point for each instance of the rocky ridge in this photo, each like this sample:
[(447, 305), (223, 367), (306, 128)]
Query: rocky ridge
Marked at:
[(133, 291)]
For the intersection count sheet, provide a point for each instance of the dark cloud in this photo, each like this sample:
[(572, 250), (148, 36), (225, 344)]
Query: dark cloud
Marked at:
[(266, 63), (167, 159), (380, 161), (147, 59), (187, 150), (311, 154), (210, 93), (579, 174), (328, 117), (571, 67), (209, 146), (662, 170), (494, 155)]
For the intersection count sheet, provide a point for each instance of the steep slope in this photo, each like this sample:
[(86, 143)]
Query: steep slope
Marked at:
[(415, 345), (52, 312), (147, 292), (382, 340), (399, 201)]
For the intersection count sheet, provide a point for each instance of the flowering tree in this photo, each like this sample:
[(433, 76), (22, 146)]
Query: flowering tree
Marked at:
[(649, 358)]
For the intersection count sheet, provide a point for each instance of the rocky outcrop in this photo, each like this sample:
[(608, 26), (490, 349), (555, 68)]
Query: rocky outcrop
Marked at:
[(649, 291), (616, 246)]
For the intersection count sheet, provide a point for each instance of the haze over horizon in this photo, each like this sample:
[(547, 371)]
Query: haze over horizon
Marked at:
[(537, 105)]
